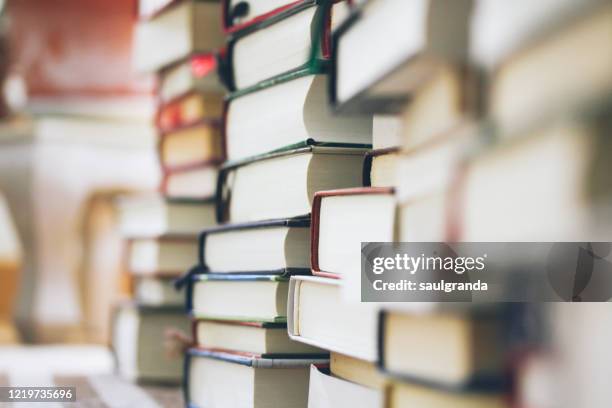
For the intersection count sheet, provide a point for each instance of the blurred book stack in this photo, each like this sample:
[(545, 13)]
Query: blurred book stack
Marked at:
[(283, 144), (545, 176), (424, 97), (178, 42)]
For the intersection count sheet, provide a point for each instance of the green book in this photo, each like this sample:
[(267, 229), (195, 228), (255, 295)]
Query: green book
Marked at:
[(282, 41)]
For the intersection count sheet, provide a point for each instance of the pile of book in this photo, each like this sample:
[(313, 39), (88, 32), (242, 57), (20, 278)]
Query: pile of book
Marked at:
[(465, 148), (175, 40), (283, 144), (478, 136)]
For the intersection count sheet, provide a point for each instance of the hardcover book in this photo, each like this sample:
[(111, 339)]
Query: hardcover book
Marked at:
[(176, 31), (386, 131), (220, 379), (189, 146), (287, 111), (327, 391), (317, 315), (138, 340), (426, 35), (585, 79), (450, 100), (290, 39), (270, 247), (151, 215), (166, 255), (198, 72), (337, 238), (247, 298), (250, 190), (409, 395), (358, 371), (380, 168), (458, 351), (548, 184), (156, 291), (189, 109), (266, 340), (192, 182)]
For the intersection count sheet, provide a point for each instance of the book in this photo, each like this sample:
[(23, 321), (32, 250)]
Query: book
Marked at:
[(431, 217), (238, 14), (174, 33), (189, 109), (336, 237), (427, 208), (435, 166), (425, 34), (197, 182), (500, 29), (217, 379), (150, 215), (456, 351), (250, 190), (157, 291), (138, 343), (380, 168), (451, 99), (257, 338), (386, 131), (317, 315), (270, 247), (327, 391), (292, 39), (191, 145), (585, 79), (198, 72), (249, 298), (358, 371), (165, 255), (547, 185), (284, 113), (406, 395)]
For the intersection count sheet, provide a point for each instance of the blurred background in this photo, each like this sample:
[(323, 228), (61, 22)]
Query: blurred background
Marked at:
[(76, 131)]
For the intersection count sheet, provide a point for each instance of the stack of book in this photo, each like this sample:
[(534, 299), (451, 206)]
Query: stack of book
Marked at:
[(283, 145), (425, 98), (175, 40), (546, 177)]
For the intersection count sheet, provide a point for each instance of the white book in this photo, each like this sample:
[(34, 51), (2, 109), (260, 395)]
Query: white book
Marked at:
[(327, 391), (288, 113), (317, 315), (181, 30)]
